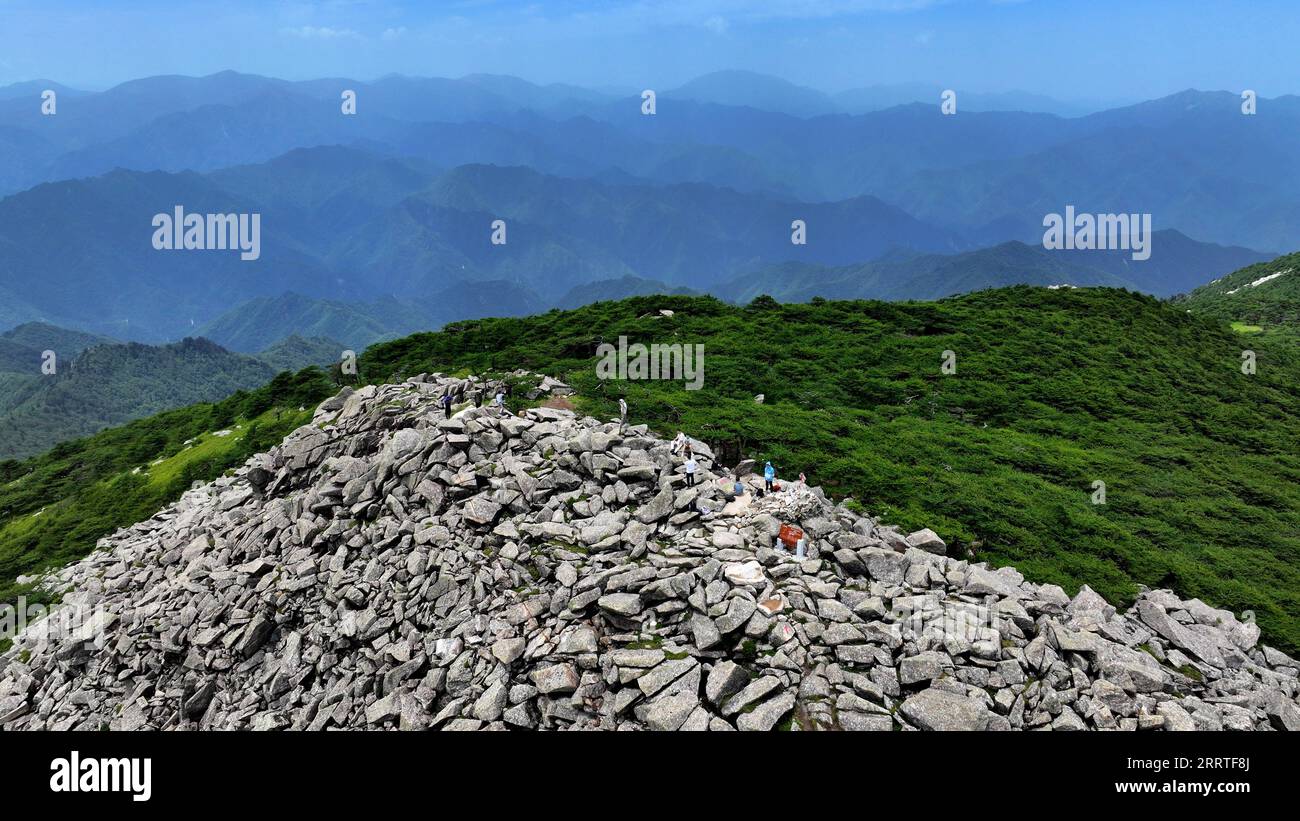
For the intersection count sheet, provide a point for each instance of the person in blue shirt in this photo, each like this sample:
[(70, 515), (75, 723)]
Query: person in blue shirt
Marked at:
[(769, 474)]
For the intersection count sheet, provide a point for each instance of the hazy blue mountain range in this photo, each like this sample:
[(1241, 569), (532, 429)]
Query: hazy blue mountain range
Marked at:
[(878, 97), (100, 382), (254, 325), (900, 274), (565, 231), (250, 325), (81, 250), (613, 289), (387, 246), (1193, 160), (908, 275), (34, 88), (378, 224), (326, 190), (1181, 158), (748, 88)]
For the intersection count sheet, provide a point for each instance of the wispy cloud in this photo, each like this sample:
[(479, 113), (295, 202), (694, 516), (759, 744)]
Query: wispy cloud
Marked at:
[(719, 16), (321, 33)]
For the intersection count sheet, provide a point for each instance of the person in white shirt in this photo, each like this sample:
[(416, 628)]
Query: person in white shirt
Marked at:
[(678, 443), (500, 402), (691, 465)]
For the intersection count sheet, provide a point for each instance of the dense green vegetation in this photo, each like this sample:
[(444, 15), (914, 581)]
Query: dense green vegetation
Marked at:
[(1054, 390), (54, 507), (256, 324), (109, 384), (1260, 299), (295, 352), (21, 348)]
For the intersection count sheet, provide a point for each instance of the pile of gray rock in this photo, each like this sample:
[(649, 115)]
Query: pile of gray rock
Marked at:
[(385, 567)]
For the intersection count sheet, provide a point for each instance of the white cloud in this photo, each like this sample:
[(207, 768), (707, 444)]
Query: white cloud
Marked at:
[(727, 11), (321, 33), (718, 16)]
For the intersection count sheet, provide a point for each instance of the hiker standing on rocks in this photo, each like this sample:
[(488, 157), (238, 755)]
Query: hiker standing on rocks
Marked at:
[(769, 475), (678, 442), (446, 405), (622, 412), (501, 402), (691, 465)]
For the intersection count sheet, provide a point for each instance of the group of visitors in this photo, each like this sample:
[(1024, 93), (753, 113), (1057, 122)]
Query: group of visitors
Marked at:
[(477, 392), (681, 445)]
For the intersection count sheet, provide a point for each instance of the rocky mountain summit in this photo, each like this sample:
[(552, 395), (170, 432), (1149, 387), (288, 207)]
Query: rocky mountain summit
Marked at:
[(386, 567)]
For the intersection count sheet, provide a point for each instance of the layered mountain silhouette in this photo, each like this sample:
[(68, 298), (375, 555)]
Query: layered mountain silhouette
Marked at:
[(388, 246), (1191, 159), (92, 382), (1181, 264)]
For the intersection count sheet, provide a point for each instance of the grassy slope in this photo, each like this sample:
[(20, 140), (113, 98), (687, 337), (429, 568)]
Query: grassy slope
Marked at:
[(1054, 389), (115, 383), (112, 384), (1270, 309), (54, 507)]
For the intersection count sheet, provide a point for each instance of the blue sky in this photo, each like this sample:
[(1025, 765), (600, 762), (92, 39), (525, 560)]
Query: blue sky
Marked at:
[(1115, 50)]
